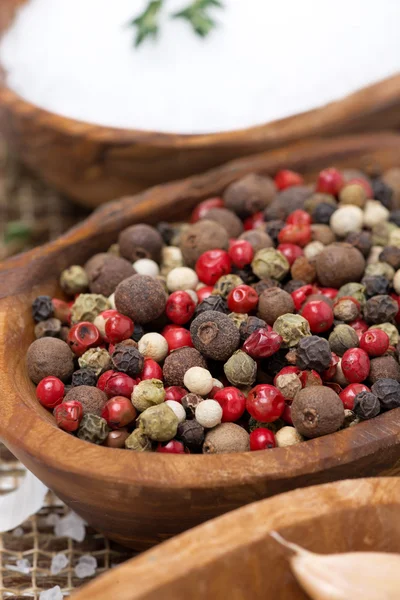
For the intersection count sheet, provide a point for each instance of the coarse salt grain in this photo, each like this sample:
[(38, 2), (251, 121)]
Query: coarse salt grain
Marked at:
[(186, 84), (53, 593)]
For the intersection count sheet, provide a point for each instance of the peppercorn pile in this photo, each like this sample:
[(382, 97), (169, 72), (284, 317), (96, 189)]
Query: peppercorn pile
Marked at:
[(272, 317)]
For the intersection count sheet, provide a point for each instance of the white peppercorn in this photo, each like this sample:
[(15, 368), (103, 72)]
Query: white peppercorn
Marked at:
[(375, 253), (313, 249), (209, 414), (182, 278), (198, 381), (346, 219), (287, 436), (111, 300), (178, 410), (146, 266), (153, 345), (374, 212)]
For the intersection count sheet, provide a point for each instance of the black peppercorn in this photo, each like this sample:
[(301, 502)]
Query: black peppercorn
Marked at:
[(382, 192), (167, 232), (275, 363), (246, 274), (380, 309), (250, 194), (362, 240), (366, 405), (138, 332), (388, 392), (322, 213), (293, 285), (394, 217), (127, 359), (313, 352), (49, 328), (287, 201), (84, 377), (215, 335), (273, 228), (178, 362), (42, 308), (191, 434), (249, 326), (190, 402), (391, 255), (375, 284), (215, 303), (265, 284)]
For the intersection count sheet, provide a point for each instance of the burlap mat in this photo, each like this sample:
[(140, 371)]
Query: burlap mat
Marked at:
[(31, 214)]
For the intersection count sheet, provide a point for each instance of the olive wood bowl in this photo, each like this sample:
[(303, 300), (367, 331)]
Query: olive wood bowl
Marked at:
[(93, 164), (142, 499), (235, 556)]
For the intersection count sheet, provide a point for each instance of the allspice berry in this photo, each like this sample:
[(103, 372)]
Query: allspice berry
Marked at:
[(92, 399), (226, 438), (215, 335), (339, 264), (304, 269), (257, 238), (250, 194), (316, 411), (178, 362), (241, 369), (159, 423), (228, 219), (200, 237), (106, 271), (116, 439), (384, 367), (140, 297), (49, 356), (140, 241), (273, 303)]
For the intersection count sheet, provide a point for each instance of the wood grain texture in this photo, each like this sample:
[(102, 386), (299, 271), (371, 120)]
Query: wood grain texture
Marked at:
[(94, 164), (234, 556), (142, 499)]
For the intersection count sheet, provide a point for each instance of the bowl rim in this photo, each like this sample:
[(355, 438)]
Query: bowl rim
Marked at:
[(25, 429)]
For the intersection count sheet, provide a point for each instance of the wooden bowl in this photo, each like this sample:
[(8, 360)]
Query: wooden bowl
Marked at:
[(142, 499), (93, 164), (235, 556)]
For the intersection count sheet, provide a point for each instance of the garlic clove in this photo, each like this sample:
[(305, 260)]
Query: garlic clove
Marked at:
[(347, 576)]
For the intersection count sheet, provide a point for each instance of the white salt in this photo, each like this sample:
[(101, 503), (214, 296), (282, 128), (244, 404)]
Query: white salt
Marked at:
[(58, 563), (22, 566), (71, 526), (267, 60), (86, 566), (53, 593)]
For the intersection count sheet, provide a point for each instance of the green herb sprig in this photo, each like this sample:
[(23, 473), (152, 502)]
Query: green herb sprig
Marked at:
[(196, 14)]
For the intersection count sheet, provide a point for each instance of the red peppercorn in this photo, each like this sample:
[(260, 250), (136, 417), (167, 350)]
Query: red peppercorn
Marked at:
[(295, 234), (180, 307), (286, 178), (330, 372), (364, 183), (83, 336), (287, 371), (118, 384), (204, 292), (211, 265), (319, 315), (50, 391), (355, 365), (241, 253), (350, 392), (309, 378), (62, 311), (262, 439), (262, 343), (242, 299), (290, 252), (330, 181), (201, 209), (151, 370), (265, 403), (329, 292), (299, 296), (177, 338), (118, 328), (174, 392), (299, 217), (375, 342), (233, 403), (360, 327), (254, 221), (172, 447), (68, 415), (287, 414), (118, 412)]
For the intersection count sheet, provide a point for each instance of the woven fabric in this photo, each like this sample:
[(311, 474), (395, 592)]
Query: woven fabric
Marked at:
[(31, 214)]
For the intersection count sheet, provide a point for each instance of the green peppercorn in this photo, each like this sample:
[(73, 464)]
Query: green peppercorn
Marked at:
[(138, 442), (238, 318), (380, 268), (93, 429), (96, 359), (240, 369), (87, 306), (148, 392), (353, 289), (342, 338), (291, 328), (74, 280), (270, 263), (159, 423), (226, 284)]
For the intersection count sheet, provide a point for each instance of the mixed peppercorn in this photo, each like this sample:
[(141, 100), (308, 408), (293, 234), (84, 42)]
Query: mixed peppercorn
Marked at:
[(272, 317)]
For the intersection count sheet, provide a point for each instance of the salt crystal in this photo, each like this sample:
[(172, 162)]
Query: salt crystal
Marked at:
[(264, 61), (86, 566), (58, 563), (23, 566), (52, 519), (71, 526), (18, 532), (53, 593)]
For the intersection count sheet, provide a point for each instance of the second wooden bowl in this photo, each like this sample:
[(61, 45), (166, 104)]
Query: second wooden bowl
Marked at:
[(93, 164), (142, 499), (236, 557)]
